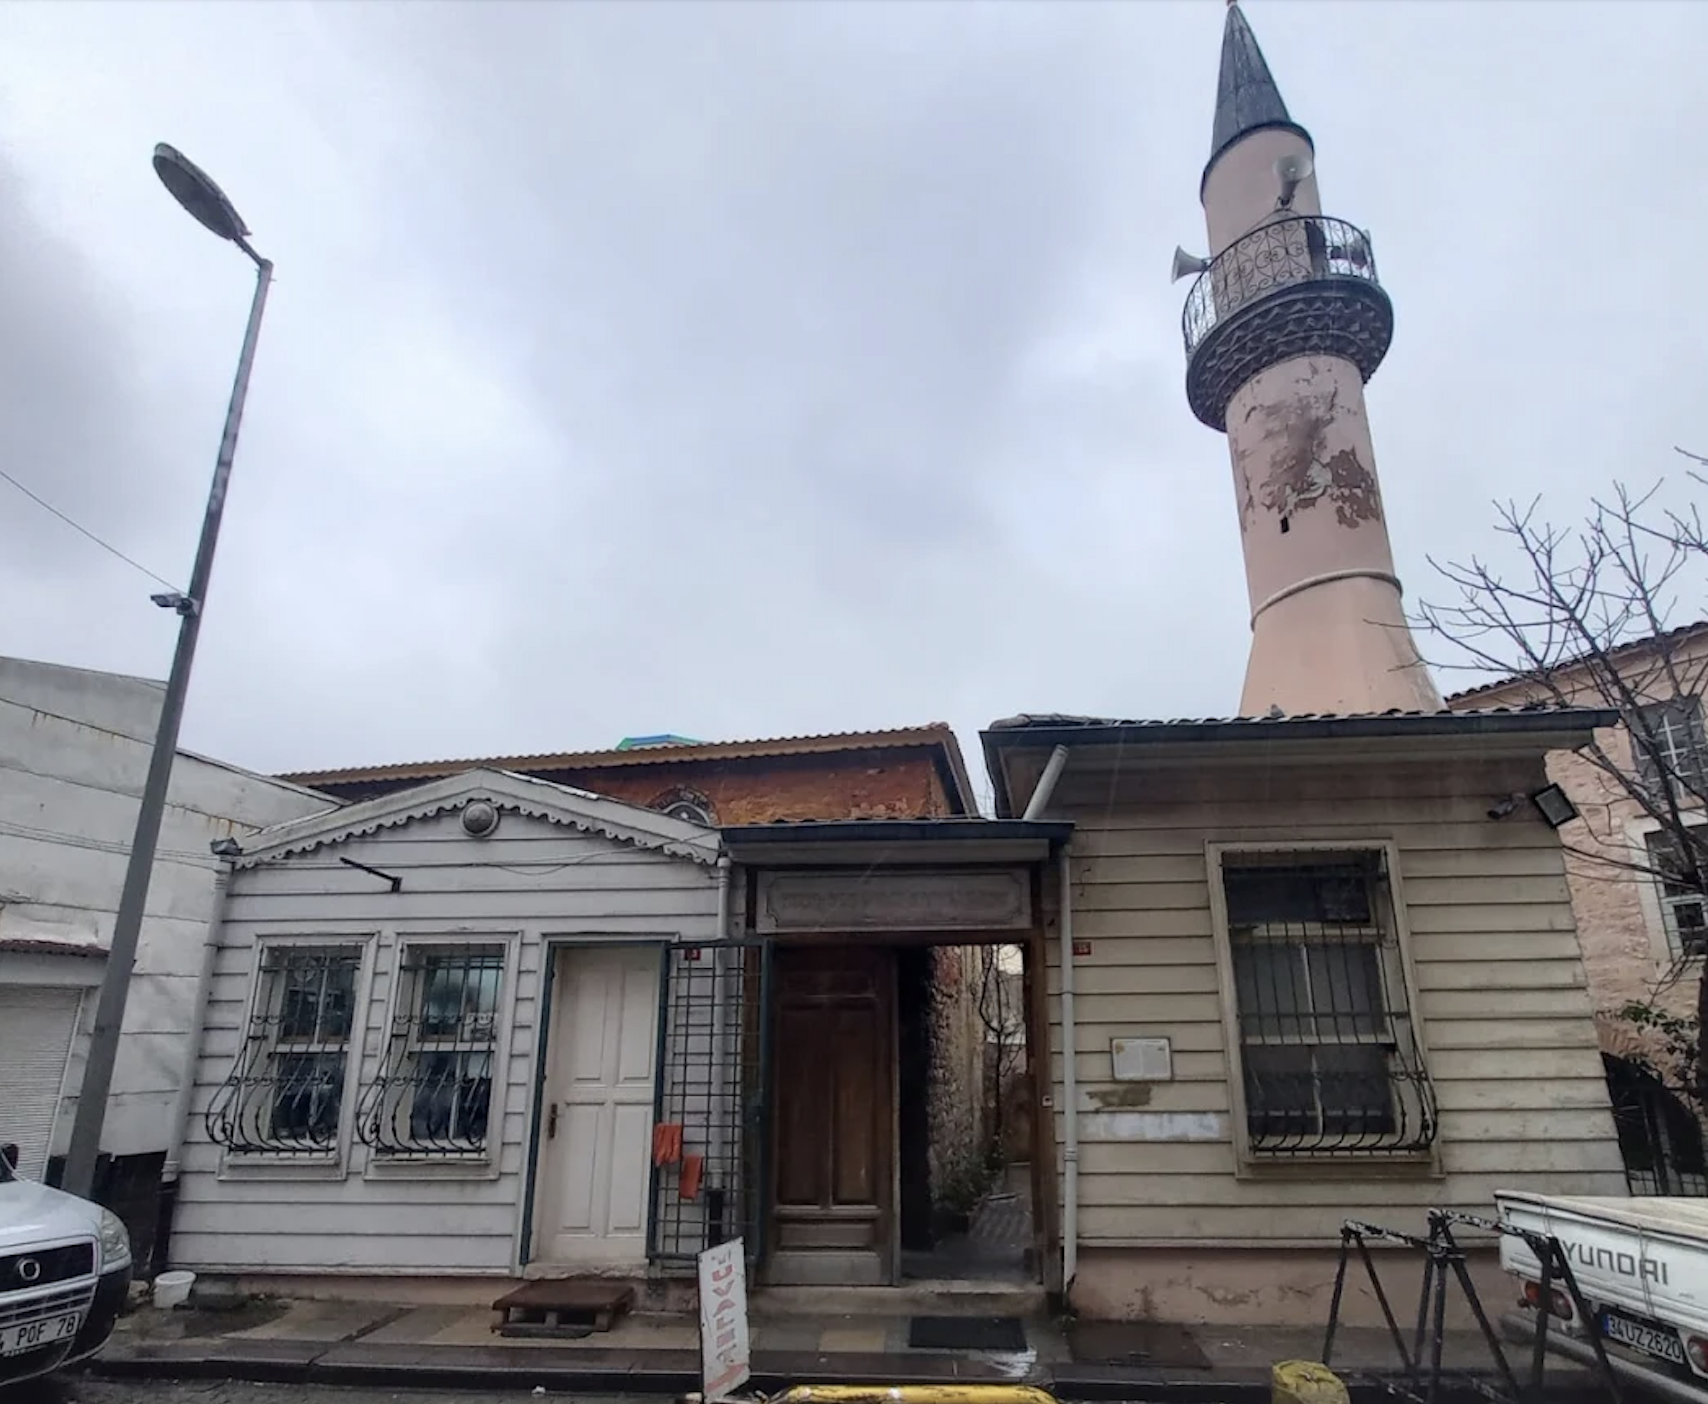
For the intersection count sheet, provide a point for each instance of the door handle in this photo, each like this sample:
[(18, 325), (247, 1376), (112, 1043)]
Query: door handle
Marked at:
[(551, 1123)]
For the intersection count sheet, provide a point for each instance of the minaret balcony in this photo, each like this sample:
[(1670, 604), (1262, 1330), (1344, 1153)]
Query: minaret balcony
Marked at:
[(1299, 285)]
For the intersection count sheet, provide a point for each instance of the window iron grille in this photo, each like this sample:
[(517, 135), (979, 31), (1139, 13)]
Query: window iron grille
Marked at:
[(713, 1045), (285, 1093), (1660, 1137), (433, 1095), (1684, 909), (1671, 747), (1330, 1061)]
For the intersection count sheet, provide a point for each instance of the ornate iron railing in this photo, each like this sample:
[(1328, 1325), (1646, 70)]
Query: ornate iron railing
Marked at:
[(1281, 254), (433, 1095), (285, 1093), (1331, 1064)]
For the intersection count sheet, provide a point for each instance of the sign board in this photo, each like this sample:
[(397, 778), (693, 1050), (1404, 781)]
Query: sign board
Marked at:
[(726, 1357)]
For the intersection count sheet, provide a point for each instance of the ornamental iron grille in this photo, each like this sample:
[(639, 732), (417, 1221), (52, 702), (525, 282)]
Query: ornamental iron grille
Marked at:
[(1684, 910), (1331, 1065), (433, 1095), (1284, 253), (1660, 1137), (709, 1154), (285, 1094)]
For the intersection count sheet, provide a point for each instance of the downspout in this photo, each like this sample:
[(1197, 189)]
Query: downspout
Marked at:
[(198, 1016), (722, 1153), (1035, 807), (171, 1170), (1070, 1090)]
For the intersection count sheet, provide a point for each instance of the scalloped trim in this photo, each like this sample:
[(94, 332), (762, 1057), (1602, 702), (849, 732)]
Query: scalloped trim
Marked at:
[(507, 804)]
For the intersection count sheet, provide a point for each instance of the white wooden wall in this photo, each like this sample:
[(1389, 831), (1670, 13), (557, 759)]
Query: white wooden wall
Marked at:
[(532, 881)]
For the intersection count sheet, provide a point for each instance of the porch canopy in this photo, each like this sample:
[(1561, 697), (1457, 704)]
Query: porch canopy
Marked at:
[(894, 842), (1018, 749)]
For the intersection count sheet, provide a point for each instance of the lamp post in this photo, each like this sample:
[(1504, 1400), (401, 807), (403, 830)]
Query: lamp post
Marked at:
[(197, 193)]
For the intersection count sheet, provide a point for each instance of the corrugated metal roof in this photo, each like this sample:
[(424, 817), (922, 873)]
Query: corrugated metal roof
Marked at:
[(1061, 720), (931, 734), (1678, 635)]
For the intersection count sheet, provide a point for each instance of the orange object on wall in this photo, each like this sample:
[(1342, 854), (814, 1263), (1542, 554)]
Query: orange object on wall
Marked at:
[(693, 1167), (667, 1143)]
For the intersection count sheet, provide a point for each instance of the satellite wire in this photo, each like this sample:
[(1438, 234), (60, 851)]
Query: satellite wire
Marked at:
[(111, 550)]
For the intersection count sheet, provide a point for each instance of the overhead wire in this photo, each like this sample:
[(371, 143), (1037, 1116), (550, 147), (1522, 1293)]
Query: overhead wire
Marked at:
[(79, 527)]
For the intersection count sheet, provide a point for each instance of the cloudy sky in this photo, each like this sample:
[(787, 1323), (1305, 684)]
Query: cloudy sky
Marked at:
[(758, 369)]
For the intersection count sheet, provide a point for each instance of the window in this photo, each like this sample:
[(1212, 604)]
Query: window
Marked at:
[(285, 1096), (687, 805), (1683, 911), (434, 1093), (1669, 745), (1329, 1063)]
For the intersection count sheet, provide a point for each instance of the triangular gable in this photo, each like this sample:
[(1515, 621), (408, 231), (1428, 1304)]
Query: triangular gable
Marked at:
[(512, 794)]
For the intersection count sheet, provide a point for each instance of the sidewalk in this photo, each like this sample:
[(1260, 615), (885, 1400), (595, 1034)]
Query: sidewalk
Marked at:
[(370, 1344)]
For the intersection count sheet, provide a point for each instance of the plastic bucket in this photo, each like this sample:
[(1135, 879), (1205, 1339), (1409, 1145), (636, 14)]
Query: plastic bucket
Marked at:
[(173, 1288)]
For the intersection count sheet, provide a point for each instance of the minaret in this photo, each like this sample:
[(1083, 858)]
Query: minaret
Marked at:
[(1283, 326)]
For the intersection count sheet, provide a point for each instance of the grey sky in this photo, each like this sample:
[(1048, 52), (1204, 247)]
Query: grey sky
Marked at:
[(775, 368)]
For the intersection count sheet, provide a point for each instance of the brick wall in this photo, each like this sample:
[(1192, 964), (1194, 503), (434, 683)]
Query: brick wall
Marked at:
[(902, 784), (956, 1094), (1625, 955), (895, 783)]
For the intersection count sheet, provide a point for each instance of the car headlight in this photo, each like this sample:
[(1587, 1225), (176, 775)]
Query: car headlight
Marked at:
[(115, 1241)]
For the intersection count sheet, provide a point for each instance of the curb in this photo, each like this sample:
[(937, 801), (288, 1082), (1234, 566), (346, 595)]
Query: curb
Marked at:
[(499, 1369)]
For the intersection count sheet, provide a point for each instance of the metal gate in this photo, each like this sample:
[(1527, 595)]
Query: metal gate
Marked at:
[(710, 1169)]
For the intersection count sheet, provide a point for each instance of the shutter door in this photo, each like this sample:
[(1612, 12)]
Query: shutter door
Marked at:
[(36, 1027)]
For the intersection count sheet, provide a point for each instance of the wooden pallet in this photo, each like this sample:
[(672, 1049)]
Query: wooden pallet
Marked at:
[(567, 1306)]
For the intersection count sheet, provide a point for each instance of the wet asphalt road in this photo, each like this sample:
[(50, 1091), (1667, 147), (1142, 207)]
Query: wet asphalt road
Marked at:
[(86, 1389)]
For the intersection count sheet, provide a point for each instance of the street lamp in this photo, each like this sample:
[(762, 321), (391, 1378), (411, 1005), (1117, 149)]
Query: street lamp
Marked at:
[(197, 193)]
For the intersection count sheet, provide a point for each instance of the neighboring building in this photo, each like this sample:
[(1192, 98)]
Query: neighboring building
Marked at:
[(74, 748), (908, 773), (1643, 937)]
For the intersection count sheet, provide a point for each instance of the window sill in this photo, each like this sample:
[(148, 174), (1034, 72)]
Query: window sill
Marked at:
[(259, 1165), (447, 1166), (1373, 1165)]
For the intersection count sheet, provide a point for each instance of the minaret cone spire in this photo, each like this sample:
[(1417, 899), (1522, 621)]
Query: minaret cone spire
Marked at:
[(1247, 99)]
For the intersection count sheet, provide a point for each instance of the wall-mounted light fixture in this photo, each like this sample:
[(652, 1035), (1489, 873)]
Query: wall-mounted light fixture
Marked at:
[(1555, 805)]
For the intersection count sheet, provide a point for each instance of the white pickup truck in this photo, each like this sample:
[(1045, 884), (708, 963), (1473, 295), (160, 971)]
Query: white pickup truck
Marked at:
[(1641, 1265)]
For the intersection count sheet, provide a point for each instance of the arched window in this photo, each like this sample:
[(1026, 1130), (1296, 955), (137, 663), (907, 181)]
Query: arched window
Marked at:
[(1660, 1138), (690, 806)]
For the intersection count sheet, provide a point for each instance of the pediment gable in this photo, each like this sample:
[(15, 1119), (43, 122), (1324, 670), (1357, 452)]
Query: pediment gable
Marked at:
[(510, 794)]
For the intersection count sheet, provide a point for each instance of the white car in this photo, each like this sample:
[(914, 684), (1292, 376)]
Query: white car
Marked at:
[(65, 1268)]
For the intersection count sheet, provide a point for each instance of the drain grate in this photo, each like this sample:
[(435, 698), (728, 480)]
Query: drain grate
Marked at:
[(966, 1333)]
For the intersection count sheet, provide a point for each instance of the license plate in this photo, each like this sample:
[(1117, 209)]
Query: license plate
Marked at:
[(1663, 1345), (33, 1335)]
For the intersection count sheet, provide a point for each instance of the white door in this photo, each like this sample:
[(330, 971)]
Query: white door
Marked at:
[(37, 1024), (596, 1142)]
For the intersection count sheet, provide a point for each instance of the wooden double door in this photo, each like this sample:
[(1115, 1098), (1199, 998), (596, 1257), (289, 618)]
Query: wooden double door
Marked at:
[(834, 1169)]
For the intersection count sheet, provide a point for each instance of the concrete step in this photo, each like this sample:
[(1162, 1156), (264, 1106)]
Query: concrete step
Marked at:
[(967, 1297)]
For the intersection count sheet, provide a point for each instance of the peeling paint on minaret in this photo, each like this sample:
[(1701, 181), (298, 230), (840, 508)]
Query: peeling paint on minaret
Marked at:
[(1282, 330)]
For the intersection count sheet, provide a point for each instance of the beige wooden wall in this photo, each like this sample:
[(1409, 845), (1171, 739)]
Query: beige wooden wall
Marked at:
[(1505, 1014)]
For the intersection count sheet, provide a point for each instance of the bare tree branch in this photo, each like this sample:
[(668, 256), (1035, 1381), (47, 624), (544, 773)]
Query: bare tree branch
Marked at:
[(1590, 616)]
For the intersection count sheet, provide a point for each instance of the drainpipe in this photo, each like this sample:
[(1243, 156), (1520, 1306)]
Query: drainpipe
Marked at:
[(1070, 1091), (1035, 807), (1053, 769), (720, 1062), (170, 1171), (198, 1016)]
